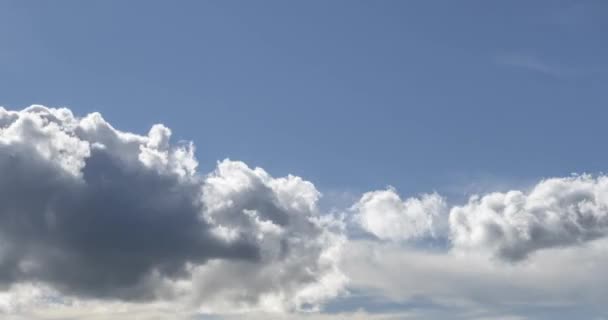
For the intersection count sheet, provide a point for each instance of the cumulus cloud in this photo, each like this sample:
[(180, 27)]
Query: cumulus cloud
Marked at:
[(97, 213), (110, 224), (299, 247), (557, 212), (536, 253), (384, 214)]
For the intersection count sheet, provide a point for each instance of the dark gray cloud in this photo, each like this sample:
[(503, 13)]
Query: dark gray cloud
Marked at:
[(101, 235), (99, 213)]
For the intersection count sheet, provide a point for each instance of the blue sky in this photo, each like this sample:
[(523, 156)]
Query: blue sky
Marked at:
[(441, 100), (354, 95)]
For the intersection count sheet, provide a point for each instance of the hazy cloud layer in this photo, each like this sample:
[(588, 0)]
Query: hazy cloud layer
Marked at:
[(558, 283)]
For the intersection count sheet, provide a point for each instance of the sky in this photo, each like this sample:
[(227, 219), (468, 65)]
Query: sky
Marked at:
[(310, 159)]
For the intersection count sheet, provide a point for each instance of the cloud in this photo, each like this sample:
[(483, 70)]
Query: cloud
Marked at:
[(383, 214), (535, 253), (300, 248), (100, 223), (558, 283), (557, 212), (548, 67), (97, 213), (532, 63)]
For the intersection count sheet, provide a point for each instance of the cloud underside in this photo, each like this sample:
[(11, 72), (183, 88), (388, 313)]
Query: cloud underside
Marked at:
[(100, 223)]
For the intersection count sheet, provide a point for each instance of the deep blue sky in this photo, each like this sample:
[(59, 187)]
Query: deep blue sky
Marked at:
[(421, 95)]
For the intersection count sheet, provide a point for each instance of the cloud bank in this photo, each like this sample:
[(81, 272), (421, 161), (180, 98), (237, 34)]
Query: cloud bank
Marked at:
[(101, 223)]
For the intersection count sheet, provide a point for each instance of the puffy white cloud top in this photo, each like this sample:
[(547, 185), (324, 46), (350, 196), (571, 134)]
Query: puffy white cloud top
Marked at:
[(384, 214), (557, 212)]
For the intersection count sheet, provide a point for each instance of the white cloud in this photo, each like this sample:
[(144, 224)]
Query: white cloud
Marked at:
[(557, 212), (523, 253), (299, 252), (471, 286), (386, 216)]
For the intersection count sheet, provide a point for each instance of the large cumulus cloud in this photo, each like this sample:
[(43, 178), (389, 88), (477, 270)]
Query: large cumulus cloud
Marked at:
[(94, 218), (99, 213)]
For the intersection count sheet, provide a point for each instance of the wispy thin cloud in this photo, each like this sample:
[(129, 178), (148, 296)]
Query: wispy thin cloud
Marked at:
[(535, 64), (545, 66)]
